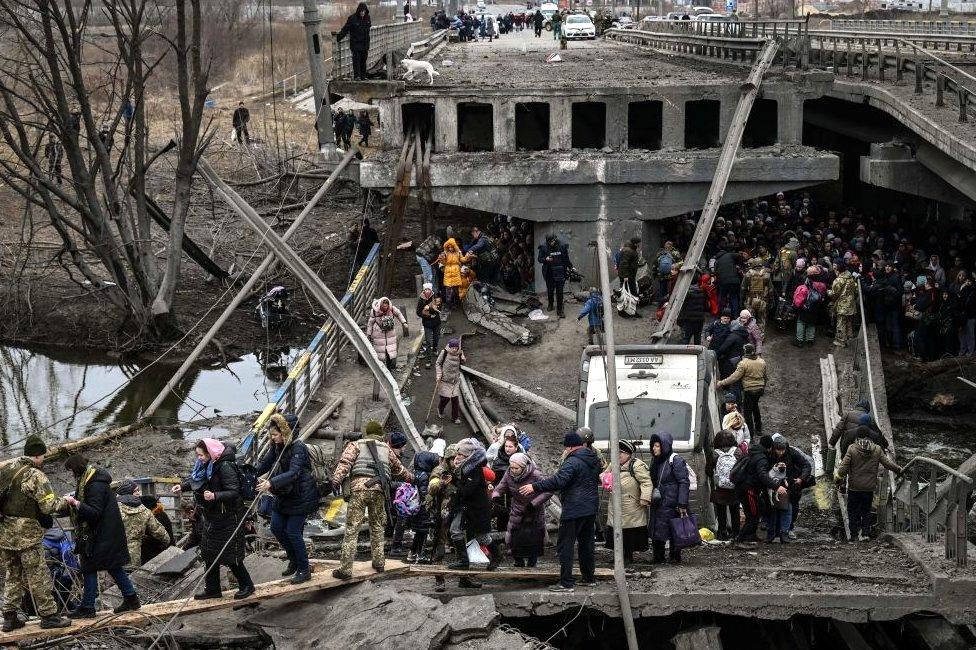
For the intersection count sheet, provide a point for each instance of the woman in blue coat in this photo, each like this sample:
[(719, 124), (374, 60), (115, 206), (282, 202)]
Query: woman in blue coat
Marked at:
[(292, 484), (670, 476)]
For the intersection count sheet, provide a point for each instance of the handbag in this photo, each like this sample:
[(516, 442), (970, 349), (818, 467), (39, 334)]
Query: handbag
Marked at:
[(476, 557), (684, 532)]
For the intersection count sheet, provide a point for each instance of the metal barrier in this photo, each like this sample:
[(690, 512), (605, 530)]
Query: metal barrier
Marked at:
[(310, 371), (939, 42), (919, 506), (906, 57), (383, 40), (761, 29), (928, 495), (730, 45), (908, 26)]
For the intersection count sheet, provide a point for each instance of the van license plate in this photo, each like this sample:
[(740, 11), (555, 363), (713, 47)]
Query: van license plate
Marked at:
[(630, 360)]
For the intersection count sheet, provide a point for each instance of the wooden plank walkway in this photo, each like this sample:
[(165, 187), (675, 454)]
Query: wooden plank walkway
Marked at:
[(321, 580)]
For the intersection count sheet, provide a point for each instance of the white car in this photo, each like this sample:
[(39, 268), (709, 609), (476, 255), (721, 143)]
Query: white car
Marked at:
[(624, 22), (579, 26)]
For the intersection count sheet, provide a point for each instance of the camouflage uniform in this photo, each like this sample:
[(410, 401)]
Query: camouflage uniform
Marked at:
[(21, 552), (844, 294), (367, 498), (139, 522), (439, 494), (757, 289)]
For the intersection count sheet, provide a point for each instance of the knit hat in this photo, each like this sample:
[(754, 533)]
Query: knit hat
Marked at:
[(727, 312), (374, 430), (398, 440), (34, 446), (454, 343), (466, 447), (627, 447), (450, 451), (779, 442), (730, 398), (428, 285), (128, 486), (572, 439), (748, 349)]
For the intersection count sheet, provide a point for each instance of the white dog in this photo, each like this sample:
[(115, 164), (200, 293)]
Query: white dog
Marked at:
[(414, 67)]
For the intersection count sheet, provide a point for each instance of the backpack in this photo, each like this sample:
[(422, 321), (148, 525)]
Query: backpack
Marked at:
[(664, 263), (247, 479), (738, 472), (320, 461), (406, 501), (723, 468), (813, 296), (692, 476)]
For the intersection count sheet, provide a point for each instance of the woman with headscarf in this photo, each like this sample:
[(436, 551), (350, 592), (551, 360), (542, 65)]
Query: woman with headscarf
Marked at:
[(451, 261), (669, 472), (216, 489), (635, 498), (448, 374), (286, 471), (525, 531), (504, 449), (381, 330)]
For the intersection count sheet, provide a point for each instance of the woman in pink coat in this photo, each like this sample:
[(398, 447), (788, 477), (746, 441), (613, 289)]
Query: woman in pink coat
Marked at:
[(381, 328), (526, 532)]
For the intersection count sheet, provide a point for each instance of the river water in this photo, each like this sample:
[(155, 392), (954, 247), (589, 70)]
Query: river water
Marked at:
[(60, 392)]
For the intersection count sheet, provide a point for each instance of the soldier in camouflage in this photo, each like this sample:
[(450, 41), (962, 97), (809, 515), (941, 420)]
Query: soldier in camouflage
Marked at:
[(440, 491), (138, 521), (367, 486), (843, 293), (757, 291), (27, 498)]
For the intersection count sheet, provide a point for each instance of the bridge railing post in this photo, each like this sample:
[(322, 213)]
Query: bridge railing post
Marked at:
[(919, 74), (963, 102), (939, 88), (930, 525)]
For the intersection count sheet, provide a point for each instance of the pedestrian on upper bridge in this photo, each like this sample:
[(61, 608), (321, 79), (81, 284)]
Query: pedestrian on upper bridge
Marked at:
[(357, 28), (538, 20), (554, 257)]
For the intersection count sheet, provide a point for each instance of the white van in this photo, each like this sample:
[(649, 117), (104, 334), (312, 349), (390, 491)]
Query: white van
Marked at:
[(661, 388)]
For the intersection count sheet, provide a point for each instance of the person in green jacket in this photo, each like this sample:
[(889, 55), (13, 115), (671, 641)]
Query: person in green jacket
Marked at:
[(557, 25)]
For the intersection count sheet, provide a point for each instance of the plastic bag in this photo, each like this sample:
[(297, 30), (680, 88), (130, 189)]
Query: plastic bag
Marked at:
[(684, 532), (476, 557)]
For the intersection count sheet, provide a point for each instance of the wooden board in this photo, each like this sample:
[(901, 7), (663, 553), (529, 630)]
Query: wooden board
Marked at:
[(499, 574), (321, 580)]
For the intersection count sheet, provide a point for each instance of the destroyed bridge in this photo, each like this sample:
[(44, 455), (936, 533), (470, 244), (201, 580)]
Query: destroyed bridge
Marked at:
[(622, 132)]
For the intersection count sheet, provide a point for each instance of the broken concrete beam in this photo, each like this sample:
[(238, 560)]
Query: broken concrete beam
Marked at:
[(178, 564), (699, 638), (518, 391)]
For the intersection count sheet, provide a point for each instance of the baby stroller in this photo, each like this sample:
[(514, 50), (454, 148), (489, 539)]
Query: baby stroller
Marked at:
[(273, 307)]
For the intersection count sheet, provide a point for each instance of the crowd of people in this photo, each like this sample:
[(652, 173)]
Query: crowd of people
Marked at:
[(791, 259)]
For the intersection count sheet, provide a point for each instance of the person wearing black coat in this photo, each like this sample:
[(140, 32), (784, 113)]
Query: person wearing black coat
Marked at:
[(215, 484), (100, 535), (357, 28), (470, 507), (751, 488), (731, 351), (799, 473), (576, 480), (554, 258), (627, 266), (692, 316), (729, 280), (669, 473), (289, 479)]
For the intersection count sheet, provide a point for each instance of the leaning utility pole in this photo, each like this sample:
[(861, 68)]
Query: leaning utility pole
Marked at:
[(320, 85), (610, 365)]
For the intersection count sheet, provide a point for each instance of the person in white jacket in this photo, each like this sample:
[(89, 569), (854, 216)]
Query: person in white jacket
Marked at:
[(381, 328)]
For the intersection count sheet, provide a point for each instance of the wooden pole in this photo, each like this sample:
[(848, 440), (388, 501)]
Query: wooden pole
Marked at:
[(549, 405), (610, 362), (265, 265), (717, 190), (342, 319)]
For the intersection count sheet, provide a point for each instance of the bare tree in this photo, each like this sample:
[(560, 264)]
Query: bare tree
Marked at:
[(60, 84)]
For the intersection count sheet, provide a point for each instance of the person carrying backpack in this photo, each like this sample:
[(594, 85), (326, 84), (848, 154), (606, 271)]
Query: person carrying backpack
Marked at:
[(368, 466), (414, 507), (287, 475), (750, 475), (725, 454), (808, 302), (593, 310), (665, 261), (216, 487)]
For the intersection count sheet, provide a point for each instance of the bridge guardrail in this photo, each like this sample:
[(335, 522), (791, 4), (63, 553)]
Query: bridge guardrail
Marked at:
[(908, 26), (311, 369), (906, 57), (939, 42), (733, 46), (383, 40)]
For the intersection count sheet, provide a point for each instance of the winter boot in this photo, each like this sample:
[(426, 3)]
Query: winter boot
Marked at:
[(467, 583), (11, 622), (494, 556), (82, 612), (129, 604), (462, 557), (56, 620), (289, 570), (340, 574)]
